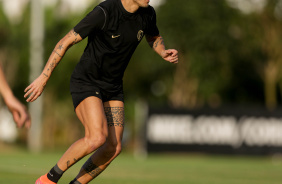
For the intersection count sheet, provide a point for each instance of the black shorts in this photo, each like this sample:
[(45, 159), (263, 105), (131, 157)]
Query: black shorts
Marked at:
[(78, 97)]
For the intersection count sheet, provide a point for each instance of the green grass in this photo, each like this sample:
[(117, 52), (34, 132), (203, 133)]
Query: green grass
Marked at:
[(19, 166)]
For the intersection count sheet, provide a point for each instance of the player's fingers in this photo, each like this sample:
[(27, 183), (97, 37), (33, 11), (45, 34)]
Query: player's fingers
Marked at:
[(28, 96), (23, 115), (174, 60), (28, 123), (175, 53), (28, 92), (28, 88), (174, 56), (31, 97), (35, 96), (172, 52), (25, 119), (17, 118)]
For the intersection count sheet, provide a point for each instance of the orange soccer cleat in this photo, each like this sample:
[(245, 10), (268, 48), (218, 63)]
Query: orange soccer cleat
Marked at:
[(44, 180)]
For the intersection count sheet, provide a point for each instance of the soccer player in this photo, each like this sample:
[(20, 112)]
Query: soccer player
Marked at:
[(18, 110), (114, 29)]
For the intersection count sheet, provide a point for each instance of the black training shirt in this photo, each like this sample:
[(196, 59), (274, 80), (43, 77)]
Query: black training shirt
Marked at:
[(113, 35)]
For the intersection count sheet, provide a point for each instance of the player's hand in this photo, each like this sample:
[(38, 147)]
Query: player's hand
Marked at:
[(170, 55), (35, 89), (19, 112)]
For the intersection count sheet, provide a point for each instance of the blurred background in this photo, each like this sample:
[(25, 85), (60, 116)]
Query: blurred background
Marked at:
[(224, 95)]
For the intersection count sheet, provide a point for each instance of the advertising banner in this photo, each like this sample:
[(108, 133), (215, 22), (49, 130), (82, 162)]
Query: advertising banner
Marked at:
[(228, 131)]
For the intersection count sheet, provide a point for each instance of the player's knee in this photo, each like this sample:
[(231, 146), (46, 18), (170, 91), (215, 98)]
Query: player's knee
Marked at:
[(95, 141)]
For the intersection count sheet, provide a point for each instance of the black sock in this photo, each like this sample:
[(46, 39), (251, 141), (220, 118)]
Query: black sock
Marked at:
[(74, 181), (55, 174)]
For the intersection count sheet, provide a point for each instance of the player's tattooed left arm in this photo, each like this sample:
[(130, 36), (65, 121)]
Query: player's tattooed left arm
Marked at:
[(154, 41), (158, 41), (151, 40)]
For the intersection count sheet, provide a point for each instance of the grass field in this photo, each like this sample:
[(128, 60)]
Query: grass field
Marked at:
[(21, 167)]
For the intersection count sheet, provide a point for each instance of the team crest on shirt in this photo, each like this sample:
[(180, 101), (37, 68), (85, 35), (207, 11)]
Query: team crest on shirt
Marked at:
[(140, 35)]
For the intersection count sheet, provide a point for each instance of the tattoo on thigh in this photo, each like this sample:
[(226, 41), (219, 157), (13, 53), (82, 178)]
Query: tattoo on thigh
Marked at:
[(91, 169), (115, 116)]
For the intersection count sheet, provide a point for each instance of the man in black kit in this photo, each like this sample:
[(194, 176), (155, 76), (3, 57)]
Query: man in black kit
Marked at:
[(114, 29)]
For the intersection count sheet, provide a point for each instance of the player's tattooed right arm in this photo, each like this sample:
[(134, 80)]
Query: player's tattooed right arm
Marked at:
[(59, 51), (75, 37), (34, 90)]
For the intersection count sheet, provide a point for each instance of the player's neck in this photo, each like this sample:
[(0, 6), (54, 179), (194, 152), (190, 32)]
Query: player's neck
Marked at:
[(130, 6)]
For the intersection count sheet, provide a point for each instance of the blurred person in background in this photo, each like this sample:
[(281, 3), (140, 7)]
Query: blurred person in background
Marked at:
[(114, 29), (18, 110)]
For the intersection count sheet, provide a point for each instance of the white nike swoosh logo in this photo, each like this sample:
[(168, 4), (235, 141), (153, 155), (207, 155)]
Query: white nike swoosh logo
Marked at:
[(113, 36)]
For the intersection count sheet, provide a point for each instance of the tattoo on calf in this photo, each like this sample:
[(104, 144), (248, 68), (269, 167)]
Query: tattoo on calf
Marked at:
[(115, 116), (91, 169), (68, 164)]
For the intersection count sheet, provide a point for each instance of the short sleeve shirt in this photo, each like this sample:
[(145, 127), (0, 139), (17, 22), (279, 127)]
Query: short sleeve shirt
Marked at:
[(113, 35)]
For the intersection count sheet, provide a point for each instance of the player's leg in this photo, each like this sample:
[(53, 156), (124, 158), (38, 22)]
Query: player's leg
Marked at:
[(91, 113), (99, 161)]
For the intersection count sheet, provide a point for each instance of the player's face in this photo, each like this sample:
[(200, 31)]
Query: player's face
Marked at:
[(142, 3)]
